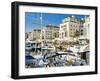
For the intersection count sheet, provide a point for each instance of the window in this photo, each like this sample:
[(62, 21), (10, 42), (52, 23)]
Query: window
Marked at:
[(80, 42), (71, 25), (70, 29), (81, 32), (88, 25), (65, 34)]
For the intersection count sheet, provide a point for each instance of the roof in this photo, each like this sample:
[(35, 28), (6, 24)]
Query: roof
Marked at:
[(36, 29), (50, 25)]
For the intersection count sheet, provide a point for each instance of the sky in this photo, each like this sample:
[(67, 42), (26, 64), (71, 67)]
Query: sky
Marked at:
[(33, 19)]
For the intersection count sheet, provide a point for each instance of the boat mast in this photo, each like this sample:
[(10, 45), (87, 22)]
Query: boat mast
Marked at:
[(41, 25), (41, 30)]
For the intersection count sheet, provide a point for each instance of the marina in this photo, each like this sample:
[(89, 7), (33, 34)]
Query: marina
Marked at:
[(38, 56)]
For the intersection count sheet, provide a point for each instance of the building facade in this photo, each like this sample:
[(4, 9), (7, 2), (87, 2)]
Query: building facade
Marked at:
[(50, 32), (69, 27), (84, 30), (87, 26), (28, 36), (36, 34), (72, 27)]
